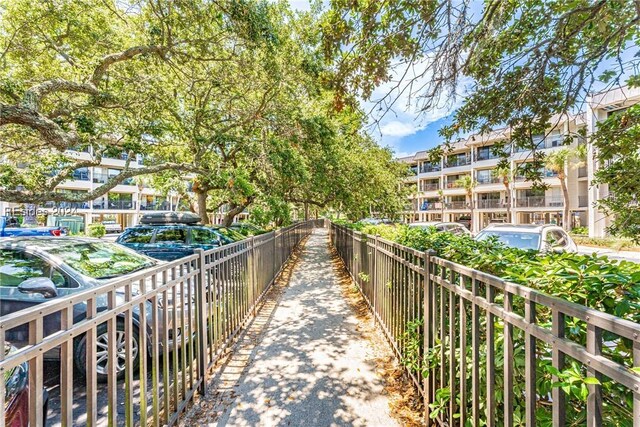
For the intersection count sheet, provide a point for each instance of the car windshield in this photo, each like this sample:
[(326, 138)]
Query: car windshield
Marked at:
[(230, 234), (100, 260), (513, 239)]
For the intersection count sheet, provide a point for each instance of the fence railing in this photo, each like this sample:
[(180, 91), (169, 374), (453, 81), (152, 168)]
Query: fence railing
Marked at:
[(164, 327), (484, 351)]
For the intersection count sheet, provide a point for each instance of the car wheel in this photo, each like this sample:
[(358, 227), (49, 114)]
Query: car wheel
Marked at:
[(102, 351)]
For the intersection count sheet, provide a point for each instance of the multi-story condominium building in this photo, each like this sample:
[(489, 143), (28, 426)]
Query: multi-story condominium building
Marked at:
[(437, 196), (121, 204)]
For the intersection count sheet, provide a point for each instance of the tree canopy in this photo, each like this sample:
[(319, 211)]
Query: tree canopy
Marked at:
[(231, 95), (518, 64)]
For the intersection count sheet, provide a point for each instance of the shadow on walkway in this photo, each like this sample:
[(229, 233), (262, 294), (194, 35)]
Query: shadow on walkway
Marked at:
[(301, 361)]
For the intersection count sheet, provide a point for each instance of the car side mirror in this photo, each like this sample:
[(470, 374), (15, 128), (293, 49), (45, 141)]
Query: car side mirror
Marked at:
[(39, 285)]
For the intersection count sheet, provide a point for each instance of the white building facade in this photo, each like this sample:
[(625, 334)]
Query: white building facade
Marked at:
[(436, 195)]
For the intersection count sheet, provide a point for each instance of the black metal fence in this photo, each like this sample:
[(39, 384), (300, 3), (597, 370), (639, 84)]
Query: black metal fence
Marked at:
[(484, 351), (145, 342)]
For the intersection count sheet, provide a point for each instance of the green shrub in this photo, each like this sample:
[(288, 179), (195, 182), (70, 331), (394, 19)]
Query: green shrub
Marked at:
[(580, 231), (96, 230)]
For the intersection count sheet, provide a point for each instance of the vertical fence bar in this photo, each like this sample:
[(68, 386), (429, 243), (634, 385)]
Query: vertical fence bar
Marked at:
[(530, 365), (557, 394), (475, 356), (463, 354), (636, 394), (508, 362), (201, 292), (491, 360), (452, 349), (91, 375), (66, 371), (594, 400), (427, 331), (35, 381), (112, 364)]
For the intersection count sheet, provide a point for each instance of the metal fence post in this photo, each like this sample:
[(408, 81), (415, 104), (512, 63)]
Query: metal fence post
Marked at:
[(201, 304), (427, 331), (254, 285), (374, 274)]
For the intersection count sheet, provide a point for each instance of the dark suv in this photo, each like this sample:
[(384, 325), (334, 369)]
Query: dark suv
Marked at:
[(174, 235)]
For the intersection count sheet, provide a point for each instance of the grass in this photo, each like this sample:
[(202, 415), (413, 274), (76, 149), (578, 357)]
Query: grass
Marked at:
[(607, 242)]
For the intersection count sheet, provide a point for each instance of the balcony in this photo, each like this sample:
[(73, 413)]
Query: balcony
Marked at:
[(430, 186), (482, 180), (67, 205), (545, 143), (114, 204), (582, 172), (431, 205), (539, 202), (453, 162), (488, 155), (453, 184), (491, 204), (155, 206), (102, 178), (80, 175), (544, 174), (429, 167), (458, 204)]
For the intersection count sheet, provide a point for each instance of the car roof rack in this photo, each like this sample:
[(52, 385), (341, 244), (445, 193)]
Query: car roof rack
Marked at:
[(185, 218)]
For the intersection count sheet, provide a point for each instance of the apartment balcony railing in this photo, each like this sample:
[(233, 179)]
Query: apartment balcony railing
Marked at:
[(453, 162), (550, 143), (80, 176), (431, 206), (484, 155), (453, 185), (489, 180), (426, 168), (115, 204), (583, 201), (430, 187), (161, 206), (458, 205), (582, 172), (491, 204), (67, 205), (101, 178), (543, 174), (539, 202)]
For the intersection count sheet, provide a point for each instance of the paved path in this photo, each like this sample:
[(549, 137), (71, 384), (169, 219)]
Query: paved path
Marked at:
[(308, 365), (611, 253)]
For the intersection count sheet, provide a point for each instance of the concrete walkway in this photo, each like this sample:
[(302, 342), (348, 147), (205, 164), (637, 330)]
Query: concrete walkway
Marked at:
[(307, 365)]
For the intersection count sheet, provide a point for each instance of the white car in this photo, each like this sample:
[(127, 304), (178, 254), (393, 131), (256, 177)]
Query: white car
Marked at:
[(541, 238), (451, 227)]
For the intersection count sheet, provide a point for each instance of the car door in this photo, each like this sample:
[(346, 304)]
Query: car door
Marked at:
[(17, 266), (169, 243)]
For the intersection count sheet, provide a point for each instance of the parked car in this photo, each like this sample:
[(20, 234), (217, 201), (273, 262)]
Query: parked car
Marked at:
[(35, 269), (171, 236), (465, 220), (10, 227), (231, 233), (111, 227), (541, 238), (451, 227), (16, 403), (247, 229)]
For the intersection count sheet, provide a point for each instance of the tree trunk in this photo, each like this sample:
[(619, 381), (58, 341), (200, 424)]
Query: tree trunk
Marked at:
[(306, 211), (566, 221), (235, 210), (470, 196), (202, 207), (509, 201)]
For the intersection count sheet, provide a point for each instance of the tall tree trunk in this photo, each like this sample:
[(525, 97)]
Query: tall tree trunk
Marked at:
[(306, 211), (236, 208), (202, 207), (566, 221), (470, 196), (509, 201)]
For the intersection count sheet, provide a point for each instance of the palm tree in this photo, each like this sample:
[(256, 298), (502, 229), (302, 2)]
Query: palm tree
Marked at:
[(556, 162), (504, 173), (468, 184)]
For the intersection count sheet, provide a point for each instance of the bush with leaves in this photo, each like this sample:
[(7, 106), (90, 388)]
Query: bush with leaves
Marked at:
[(97, 230), (594, 281)]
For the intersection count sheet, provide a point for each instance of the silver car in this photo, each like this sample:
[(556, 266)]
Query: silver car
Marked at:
[(541, 238), (36, 269), (451, 227)]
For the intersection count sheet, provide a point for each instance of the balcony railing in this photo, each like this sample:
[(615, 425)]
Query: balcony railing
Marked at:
[(488, 180), (490, 204), (547, 143), (453, 162), (101, 178), (544, 174), (430, 187), (582, 172), (67, 205), (114, 204), (453, 184), (539, 202), (80, 176), (488, 155), (157, 206), (458, 204), (426, 168)]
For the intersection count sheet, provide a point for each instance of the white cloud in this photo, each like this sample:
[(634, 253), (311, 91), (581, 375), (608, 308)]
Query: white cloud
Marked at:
[(397, 128)]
